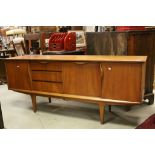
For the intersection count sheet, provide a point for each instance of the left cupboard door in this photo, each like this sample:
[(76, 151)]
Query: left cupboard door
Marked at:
[(18, 76)]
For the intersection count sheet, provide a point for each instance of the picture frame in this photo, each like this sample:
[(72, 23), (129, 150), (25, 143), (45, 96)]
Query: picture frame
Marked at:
[(80, 38)]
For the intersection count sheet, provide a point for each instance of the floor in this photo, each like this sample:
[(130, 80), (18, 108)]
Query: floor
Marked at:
[(61, 114)]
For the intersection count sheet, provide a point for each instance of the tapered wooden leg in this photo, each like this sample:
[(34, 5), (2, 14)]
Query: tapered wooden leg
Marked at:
[(101, 110), (34, 105), (49, 99)]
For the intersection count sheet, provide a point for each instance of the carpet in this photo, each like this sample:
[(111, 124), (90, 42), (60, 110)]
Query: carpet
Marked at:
[(149, 123)]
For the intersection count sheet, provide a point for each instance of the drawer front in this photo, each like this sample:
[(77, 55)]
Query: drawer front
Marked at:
[(47, 86), (46, 65), (46, 76)]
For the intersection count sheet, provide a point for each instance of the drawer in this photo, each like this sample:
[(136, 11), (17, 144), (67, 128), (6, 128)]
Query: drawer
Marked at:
[(47, 86), (46, 65), (52, 76)]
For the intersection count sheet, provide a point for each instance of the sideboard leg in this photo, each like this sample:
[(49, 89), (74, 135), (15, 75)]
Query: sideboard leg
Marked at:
[(34, 105), (101, 110), (49, 99)]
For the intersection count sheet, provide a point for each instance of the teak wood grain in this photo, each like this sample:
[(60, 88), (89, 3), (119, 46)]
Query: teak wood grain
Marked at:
[(82, 78), (102, 80), (124, 77), (47, 76), (47, 86), (95, 58), (18, 76), (46, 65)]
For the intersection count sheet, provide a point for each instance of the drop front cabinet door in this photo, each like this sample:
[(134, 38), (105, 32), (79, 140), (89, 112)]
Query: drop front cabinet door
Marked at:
[(82, 78)]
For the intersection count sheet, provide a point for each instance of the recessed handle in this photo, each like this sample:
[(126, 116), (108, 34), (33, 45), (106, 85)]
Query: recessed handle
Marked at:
[(101, 69), (81, 63), (43, 62)]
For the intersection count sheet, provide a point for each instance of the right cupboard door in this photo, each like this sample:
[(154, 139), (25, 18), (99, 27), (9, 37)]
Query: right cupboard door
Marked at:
[(122, 81)]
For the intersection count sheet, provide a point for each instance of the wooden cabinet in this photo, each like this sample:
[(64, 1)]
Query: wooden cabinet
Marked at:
[(104, 80), (18, 75), (135, 43)]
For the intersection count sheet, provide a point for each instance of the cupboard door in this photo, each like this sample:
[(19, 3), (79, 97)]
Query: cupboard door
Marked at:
[(122, 81), (18, 75), (82, 78)]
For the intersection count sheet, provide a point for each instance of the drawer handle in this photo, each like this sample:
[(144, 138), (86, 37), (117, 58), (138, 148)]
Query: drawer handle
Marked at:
[(44, 62), (81, 63), (17, 66)]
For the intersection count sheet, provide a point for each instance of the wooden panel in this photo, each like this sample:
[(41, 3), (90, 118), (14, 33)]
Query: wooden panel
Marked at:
[(106, 43), (59, 58), (18, 75), (34, 36), (144, 44), (122, 81), (47, 86), (82, 78), (46, 65), (89, 99), (46, 76)]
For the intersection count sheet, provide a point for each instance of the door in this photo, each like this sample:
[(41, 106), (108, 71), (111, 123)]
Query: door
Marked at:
[(122, 81), (18, 75), (82, 78)]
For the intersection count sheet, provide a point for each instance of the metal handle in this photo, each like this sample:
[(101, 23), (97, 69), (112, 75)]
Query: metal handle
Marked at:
[(81, 63), (109, 68)]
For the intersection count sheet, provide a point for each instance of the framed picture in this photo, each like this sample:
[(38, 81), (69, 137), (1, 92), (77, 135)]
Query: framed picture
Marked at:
[(80, 38)]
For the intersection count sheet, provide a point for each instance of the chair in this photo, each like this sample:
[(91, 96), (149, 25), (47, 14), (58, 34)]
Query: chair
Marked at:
[(19, 46)]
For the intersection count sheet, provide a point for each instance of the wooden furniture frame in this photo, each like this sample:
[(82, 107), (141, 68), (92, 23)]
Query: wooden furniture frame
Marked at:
[(104, 80)]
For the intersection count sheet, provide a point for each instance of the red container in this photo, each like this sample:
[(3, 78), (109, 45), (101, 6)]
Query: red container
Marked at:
[(56, 41), (62, 41), (70, 42), (130, 28)]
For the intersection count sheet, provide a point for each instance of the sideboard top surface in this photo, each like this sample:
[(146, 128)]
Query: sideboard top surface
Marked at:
[(80, 58)]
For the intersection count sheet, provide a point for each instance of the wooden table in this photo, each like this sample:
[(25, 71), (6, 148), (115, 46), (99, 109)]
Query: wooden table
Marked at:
[(104, 80)]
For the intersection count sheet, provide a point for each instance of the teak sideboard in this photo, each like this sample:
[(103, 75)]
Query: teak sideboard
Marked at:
[(104, 80)]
